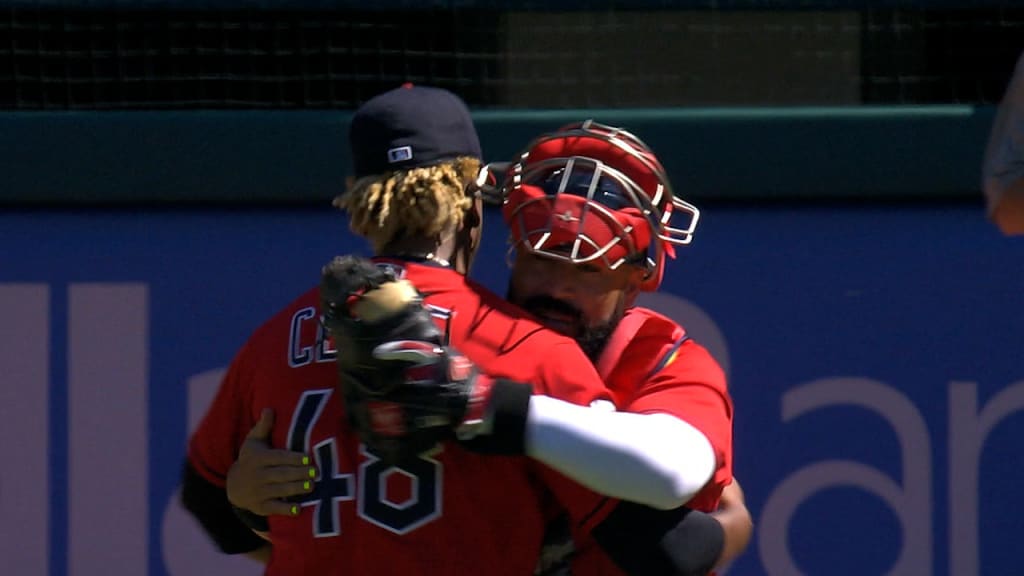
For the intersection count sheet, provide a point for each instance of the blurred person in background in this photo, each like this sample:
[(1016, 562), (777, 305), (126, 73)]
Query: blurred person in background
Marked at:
[(1003, 170)]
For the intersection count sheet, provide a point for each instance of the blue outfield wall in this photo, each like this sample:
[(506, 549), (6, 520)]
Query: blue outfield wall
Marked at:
[(874, 348), (302, 156), (874, 352)]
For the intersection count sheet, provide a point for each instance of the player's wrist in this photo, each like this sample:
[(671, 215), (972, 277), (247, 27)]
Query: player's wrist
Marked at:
[(496, 414), (252, 520), (476, 417)]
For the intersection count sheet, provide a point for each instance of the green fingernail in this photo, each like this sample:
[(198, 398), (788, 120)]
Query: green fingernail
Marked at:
[(305, 485), (312, 472), (295, 510), (305, 460)]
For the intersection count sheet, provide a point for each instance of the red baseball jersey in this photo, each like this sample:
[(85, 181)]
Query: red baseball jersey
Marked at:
[(452, 511), (651, 365), (661, 369)]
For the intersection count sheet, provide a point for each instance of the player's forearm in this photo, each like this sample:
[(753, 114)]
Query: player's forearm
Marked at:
[(646, 542), (209, 504), (736, 522), (653, 459)]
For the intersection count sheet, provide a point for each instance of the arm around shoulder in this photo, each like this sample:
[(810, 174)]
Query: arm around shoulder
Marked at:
[(653, 459)]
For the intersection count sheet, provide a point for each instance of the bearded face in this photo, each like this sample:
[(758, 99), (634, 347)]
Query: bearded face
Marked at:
[(581, 301)]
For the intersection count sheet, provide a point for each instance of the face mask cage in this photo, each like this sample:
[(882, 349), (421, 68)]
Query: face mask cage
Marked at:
[(594, 193), (679, 218), (580, 210)]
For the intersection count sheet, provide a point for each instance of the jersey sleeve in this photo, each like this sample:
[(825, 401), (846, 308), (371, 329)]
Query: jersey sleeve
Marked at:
[(689, 384), (214, 446)]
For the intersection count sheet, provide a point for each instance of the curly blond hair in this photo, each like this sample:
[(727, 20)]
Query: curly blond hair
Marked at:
[(422, 201)]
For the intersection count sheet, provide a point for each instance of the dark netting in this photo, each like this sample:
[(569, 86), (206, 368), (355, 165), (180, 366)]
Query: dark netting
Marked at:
[(57, 58), (118, 59)]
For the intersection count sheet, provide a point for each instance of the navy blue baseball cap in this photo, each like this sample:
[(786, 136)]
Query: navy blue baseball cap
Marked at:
[(408, 127)]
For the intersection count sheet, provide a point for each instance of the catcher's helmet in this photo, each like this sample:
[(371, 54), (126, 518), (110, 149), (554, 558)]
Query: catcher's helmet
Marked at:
[(590, 193)]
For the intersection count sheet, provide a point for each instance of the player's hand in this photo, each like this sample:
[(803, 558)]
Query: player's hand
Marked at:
[(443, 391), (263, 477), (405, 390), (431, 392), (440, 388)]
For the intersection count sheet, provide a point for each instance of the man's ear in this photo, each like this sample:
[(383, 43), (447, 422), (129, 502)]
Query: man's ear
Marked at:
[(636, 279)]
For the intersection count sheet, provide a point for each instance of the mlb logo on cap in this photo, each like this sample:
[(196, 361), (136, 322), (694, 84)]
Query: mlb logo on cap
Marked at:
[(400, 154), (409, 127)]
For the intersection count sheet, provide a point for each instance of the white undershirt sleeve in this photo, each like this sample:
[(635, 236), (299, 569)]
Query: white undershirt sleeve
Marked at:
[(653, 459)]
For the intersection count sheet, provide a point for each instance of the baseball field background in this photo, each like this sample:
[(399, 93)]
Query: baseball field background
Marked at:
[(166, 170)]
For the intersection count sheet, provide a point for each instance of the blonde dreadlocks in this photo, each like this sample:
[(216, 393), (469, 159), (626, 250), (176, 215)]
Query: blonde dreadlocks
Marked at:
[(421, 201)]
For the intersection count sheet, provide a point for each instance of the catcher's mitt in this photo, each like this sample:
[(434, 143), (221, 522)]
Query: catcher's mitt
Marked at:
[(404, 390)]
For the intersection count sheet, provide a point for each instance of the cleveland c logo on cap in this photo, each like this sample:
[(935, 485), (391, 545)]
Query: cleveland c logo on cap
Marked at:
[(400, 154)]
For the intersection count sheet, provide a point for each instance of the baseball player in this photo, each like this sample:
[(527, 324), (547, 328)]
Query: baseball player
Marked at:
[(375, 509), (593, 220)]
